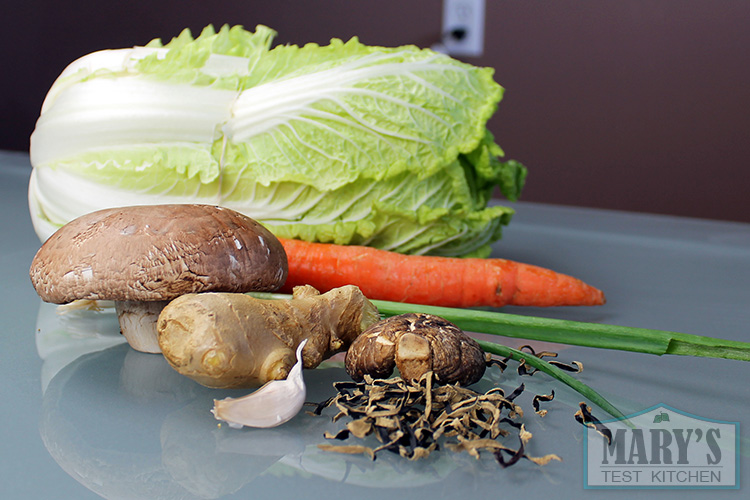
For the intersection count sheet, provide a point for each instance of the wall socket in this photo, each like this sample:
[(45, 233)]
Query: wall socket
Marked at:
[(463, 27)]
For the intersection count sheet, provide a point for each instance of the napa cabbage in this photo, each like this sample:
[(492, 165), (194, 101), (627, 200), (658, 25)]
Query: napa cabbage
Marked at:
[(344, 143)]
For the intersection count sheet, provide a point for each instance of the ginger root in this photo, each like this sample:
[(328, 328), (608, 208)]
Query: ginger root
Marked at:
[(232, 340)]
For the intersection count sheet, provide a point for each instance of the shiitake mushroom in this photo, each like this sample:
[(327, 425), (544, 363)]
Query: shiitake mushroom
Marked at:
[(416, 343)]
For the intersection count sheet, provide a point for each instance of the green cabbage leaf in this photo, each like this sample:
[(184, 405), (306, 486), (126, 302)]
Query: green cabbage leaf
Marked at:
[(344, 143)]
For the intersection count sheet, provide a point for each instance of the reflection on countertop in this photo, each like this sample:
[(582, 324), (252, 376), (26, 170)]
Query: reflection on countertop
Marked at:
[(124, 423)]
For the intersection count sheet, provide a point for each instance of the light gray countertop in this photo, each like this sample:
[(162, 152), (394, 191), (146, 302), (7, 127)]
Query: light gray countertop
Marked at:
[(85, 416)]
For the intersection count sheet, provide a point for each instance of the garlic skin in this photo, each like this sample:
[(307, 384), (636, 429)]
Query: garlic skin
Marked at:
[(278, 401)]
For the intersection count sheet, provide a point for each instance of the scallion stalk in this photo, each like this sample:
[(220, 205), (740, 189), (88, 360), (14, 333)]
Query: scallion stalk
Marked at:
[(624, 338), (561, 331), (555, 372)]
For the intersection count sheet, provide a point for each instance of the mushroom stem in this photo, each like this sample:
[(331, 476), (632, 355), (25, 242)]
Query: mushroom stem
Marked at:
[(138, 323)]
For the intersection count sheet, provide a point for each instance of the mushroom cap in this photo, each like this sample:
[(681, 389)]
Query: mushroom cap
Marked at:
[(157, 252), (416, 343)]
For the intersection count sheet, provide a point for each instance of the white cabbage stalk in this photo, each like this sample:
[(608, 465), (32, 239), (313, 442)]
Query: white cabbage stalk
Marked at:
[(343, 143)]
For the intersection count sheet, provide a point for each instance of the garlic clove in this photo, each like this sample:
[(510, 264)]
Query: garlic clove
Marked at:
[(278, 401)]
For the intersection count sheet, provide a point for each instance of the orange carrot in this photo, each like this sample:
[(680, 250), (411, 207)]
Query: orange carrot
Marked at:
[(440, 281)]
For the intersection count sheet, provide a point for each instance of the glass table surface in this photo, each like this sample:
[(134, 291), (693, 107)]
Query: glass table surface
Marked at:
[(85, 416)]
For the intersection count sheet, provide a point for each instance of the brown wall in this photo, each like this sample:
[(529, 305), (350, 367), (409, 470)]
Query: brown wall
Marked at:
[(638, 105)]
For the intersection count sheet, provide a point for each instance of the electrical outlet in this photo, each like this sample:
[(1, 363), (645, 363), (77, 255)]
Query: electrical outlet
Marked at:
[(463, 27)]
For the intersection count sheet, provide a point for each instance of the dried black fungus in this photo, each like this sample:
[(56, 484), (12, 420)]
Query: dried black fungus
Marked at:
[(537, 401), (584, 416), (517, 392), (523, 369), (411, 417)]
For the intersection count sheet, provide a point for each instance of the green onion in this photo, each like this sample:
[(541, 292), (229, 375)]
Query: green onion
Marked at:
[(555, 372), (579, 333), (560, 331)]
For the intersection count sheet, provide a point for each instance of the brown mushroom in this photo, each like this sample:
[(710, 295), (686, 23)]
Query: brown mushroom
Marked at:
[(416, 343), (142, 257)]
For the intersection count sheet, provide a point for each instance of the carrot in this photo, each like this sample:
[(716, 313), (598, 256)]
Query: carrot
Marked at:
[(439, 281)]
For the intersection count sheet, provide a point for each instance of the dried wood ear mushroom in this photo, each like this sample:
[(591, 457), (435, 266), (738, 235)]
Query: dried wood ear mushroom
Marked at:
[(416, 343)]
